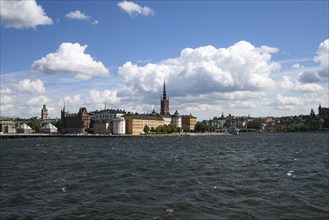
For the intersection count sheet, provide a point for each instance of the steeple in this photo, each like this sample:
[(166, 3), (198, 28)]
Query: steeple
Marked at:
[(164, 96), (164, 110)]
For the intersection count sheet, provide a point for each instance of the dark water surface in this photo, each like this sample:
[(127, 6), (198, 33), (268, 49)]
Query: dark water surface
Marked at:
[(248, 176)]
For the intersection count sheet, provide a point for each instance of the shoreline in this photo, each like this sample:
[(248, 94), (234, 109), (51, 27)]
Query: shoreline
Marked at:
[(42, 135)]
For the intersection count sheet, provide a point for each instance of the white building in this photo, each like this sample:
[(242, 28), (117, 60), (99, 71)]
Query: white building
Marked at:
[(109, 121), (108, 114), (24, 128), (119, 125), (49, 128), (177, 120)]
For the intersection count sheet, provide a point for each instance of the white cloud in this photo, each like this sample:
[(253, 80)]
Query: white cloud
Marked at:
[(95, 22), (75, 99), (288, 100), (77, 15), (38, 101), (323, 55), (134, 9), (296, 66), (321, 73), (71, 58), (5, 91), (22, 14), (99, 97), (296, 86), (204, 70), (29, 86)]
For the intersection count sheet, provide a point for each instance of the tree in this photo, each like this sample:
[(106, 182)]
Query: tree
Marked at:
[(35, 124), (59, 124), (153, 130), (146, 129)]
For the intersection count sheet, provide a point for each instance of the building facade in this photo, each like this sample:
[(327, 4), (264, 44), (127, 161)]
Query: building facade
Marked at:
[(323, 112), (109, 121), (119, 125), (188, 122), (108, 114), (7, 127), (44, 113), (75, 123), (177, 120), (24, 129), (135, 123)]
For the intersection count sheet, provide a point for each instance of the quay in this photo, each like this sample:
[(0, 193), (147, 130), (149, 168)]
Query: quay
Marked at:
[(42, 135)]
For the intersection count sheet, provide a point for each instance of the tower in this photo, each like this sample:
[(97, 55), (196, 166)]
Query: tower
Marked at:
[(44, 113), (164, 101)]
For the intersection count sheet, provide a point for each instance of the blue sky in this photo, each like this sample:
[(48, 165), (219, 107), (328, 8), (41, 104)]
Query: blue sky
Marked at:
[(240, 57)]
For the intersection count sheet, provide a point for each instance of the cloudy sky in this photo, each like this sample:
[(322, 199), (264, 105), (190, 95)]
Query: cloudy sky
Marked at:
[(263, 58)]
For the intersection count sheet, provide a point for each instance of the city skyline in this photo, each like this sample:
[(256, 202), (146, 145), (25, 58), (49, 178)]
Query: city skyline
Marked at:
[(259, 58)]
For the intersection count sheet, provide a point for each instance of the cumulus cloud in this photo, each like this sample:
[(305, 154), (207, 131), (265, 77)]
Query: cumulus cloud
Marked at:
[(240, 67), (30, 86), (99, 97), (134, 9), (71, 58), (296, 86), (77, 15), (288, 101), (321, 73), (22, 14), (73, 99), (37, 101), (6, 97)]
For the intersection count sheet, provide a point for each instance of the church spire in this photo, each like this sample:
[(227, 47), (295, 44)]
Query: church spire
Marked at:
[(164, 96)]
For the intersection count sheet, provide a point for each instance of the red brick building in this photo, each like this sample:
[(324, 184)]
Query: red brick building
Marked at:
[(75, 123)]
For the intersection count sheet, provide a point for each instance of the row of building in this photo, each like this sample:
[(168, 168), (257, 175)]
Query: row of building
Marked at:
[(312, 121), (111, 121), (117, 121)]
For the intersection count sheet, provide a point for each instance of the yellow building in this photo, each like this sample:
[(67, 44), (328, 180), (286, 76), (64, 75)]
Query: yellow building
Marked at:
[(135, 123), (188, 122)]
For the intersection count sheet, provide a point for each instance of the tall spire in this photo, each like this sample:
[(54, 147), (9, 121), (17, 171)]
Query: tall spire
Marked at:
[(164, 97)]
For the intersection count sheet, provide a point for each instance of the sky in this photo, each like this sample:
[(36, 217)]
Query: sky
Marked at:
[(257, 58)]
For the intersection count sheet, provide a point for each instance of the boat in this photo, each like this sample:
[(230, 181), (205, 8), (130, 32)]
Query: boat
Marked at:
[(234, 130)]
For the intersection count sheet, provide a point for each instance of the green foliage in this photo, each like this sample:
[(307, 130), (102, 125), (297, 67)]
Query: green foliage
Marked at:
[(35, 124), (201, 127), (89, 130), (146, 129), (167, 129), (291, 129), (59, 124), (153, 130)]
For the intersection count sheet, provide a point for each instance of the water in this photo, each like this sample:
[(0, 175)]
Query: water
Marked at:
[(248, 176)]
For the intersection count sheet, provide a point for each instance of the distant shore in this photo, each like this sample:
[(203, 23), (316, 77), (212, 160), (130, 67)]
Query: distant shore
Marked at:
[(40, 135)]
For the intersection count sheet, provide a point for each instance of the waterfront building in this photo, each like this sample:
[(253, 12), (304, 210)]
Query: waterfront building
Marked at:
[(119, 125), (44, 113), (164, 102), (108, 114), (188, 122), (167, 119), (75, 123), (102, 127), (177, 120), (135, 123), (24, 129), (7, 127), (109, 121), (323, 112), (49, 128)]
